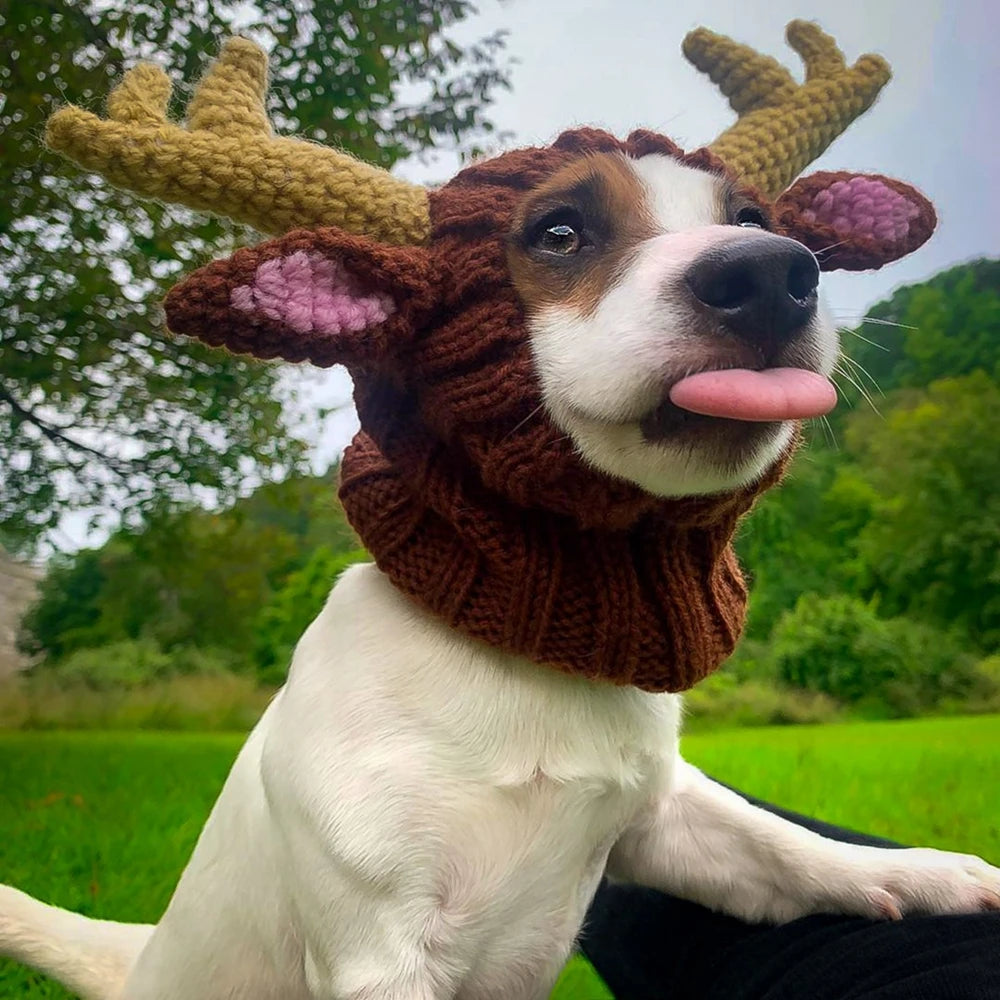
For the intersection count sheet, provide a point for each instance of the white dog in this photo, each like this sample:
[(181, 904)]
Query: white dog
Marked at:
[(421, 816)]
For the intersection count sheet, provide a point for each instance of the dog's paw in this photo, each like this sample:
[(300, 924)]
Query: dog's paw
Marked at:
[(890, 884)]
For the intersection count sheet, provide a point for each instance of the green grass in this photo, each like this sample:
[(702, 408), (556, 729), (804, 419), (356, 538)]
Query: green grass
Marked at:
[(103, 822), (932, 782)]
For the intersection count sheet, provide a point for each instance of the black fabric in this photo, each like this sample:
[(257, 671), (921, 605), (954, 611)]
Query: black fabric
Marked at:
[(649, 946)]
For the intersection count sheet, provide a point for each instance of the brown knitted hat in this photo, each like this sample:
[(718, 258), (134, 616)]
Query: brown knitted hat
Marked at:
[(467, 495)]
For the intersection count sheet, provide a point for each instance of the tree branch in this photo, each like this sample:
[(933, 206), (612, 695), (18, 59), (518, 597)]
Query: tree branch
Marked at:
[(57, 436)]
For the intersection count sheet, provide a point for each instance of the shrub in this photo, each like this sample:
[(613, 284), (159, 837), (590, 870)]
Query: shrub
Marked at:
[(723, 700), (118, 665), (986, 694), (221, 701), (839, 646), (753, 661), (132, 663)]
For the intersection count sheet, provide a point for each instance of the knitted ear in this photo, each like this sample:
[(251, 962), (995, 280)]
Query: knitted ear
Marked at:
[(323, 296), (855, 222)]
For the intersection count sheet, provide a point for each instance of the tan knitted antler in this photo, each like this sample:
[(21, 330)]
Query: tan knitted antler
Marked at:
[(784, 125), (228, 162)]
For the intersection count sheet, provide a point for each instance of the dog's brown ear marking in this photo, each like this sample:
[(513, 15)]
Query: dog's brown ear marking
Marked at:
[(323, 296), (855, 222)]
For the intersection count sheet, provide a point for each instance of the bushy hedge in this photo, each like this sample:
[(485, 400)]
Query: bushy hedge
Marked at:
[(840, 647), (135, 684), (195, 702), (830, 657), (722, 699), (134, 663)]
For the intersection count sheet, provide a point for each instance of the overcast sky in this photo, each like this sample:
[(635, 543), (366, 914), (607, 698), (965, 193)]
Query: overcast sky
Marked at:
[(618, 64)]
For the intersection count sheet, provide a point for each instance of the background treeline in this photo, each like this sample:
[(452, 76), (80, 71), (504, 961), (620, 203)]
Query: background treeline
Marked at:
[(99, 409), (875, 567)]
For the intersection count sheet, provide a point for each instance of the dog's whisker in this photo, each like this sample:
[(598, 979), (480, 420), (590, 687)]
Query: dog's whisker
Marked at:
[(832, 246), (861, 389), (873, 343), (858, 367), (828, 433), (887, 322), (518, 426)]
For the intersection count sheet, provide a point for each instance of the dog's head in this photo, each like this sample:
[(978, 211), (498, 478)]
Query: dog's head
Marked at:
[(588, 322)]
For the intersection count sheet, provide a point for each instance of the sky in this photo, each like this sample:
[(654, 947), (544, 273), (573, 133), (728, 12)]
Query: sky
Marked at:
[(618, 64)]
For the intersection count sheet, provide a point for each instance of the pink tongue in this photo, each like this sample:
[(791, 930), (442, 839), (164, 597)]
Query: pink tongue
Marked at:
[(741, 394)]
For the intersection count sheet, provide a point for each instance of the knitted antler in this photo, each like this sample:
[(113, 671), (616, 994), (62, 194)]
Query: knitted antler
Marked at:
[(228, 162), (783, 125)]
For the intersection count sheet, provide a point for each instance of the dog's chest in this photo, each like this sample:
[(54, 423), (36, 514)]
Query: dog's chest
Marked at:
[(483, 792), (374, 676)]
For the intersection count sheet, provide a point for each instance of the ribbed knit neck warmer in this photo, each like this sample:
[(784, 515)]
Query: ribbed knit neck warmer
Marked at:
[(475, 504), (658, 601)]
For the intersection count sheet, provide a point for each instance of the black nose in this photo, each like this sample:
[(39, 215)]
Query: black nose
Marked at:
[(762, 288)]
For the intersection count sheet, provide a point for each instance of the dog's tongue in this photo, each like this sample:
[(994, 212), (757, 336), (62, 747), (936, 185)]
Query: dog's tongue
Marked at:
[(741, 394)]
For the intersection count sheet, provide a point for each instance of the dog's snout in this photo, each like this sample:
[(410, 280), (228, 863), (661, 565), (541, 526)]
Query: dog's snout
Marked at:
[(763, 289)]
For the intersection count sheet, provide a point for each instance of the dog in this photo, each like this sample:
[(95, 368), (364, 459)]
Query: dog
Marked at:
[(422, 815)]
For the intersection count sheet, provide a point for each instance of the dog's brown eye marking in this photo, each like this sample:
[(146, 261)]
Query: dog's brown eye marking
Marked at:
[(573, 236)]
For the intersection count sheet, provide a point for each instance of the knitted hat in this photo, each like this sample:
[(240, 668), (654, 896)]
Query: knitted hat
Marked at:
[(467, 495)]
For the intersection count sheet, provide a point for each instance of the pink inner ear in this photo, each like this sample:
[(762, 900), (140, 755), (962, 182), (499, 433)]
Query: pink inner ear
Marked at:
[(312, 294), (863, 206)]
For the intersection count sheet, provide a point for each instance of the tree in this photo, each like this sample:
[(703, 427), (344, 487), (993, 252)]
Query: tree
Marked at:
[(802, 537), (933, 541), (190, 578), (97, 406), (281, 622), (946, 326)]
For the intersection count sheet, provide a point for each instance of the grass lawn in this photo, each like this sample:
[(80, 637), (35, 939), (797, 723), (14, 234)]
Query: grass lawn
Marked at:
[(102, 823)]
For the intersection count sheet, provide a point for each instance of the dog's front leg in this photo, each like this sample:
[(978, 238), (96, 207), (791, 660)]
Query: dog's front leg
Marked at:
[(371, 939), (703, 842), (337, 982), (389, 955)]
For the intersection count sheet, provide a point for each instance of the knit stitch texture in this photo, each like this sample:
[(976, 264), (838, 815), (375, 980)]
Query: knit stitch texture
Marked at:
[(226, 161), (783, 125), (853, 221)]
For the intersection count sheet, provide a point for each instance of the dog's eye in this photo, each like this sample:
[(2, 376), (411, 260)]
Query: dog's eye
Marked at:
[(561, 239), (561, 233), (752, 218)]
